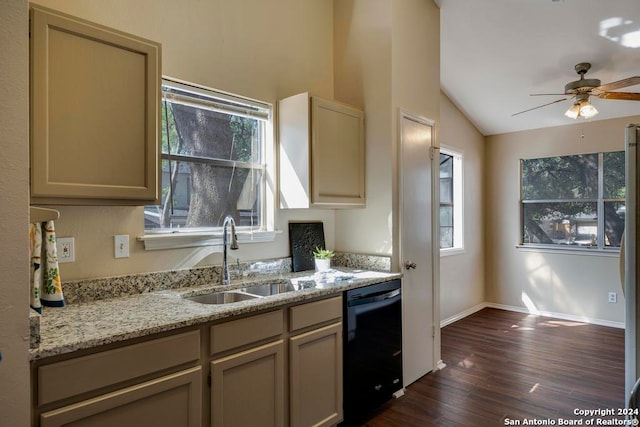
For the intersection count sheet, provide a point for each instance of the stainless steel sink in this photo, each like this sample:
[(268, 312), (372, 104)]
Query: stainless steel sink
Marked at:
[(267, 289), (222, 297)]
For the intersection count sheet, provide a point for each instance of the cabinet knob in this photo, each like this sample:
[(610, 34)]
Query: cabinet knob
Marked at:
[(378, 387)]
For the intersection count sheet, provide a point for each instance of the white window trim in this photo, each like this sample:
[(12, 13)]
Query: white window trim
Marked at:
[(550, 249), (175, 238), (458, 201)]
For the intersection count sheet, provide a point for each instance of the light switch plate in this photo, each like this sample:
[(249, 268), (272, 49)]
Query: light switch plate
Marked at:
[(121, 243)]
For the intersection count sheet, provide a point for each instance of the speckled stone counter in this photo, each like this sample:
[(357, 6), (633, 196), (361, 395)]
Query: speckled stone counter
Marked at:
[(86, 325)]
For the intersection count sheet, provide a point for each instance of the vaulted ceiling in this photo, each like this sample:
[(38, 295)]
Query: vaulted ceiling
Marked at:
[(495, 53)]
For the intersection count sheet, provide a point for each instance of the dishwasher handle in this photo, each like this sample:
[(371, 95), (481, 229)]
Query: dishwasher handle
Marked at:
[(373, 297)]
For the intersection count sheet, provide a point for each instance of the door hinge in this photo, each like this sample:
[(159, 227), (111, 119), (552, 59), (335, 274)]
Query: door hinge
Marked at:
[(433, 332)]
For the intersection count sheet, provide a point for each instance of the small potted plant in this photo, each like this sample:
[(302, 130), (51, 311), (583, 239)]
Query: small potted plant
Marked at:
[(322, 258)]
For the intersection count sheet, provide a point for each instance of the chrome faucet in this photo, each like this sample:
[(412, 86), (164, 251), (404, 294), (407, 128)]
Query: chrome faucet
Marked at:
[(226, 278)]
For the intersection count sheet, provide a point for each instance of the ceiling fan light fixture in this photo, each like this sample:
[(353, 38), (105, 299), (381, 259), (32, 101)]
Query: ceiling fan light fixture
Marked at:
[(587, 110), (574, 111)]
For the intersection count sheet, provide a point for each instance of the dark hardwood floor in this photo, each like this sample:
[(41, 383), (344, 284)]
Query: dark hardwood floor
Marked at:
[(504, 366)]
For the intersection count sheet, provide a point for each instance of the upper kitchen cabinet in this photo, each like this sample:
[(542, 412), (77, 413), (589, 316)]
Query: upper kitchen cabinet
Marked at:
[(321, 153), (94, 113)]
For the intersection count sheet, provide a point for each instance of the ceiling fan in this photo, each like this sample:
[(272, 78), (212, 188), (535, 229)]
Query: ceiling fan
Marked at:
[(581, 90)]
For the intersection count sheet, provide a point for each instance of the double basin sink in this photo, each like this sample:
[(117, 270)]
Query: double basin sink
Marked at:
[(248, 292)]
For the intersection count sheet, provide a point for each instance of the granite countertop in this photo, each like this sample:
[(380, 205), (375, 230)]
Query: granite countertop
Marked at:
[(92, 324)]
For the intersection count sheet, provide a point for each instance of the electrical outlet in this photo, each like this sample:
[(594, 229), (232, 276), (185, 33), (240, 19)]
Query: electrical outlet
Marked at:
[(121, 246), (613, 297), (65, 249)]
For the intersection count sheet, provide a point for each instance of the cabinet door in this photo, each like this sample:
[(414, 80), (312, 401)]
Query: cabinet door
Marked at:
[(316, 377), (171, 401), (247, 388), (94, 113), (337, 154)]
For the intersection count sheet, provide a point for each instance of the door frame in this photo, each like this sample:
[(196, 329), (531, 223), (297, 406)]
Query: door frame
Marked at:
[(435, 223)]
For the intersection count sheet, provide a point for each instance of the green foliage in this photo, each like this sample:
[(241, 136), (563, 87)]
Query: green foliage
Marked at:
[(322, 253), (573, 181)]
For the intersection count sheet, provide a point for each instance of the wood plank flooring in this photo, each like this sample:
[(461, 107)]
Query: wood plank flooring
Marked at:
[(504, 368)]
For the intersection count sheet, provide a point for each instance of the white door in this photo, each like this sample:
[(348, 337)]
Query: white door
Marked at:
[(418, 248)]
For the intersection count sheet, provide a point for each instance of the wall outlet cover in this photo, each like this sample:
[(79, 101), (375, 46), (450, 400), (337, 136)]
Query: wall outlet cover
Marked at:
[(65, 249)]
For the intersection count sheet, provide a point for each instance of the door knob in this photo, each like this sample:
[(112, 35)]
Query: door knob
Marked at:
[(409, 265)]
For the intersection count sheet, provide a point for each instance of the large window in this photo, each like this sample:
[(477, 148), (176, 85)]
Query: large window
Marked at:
[(213, 160), (450, 200), (574, 201)]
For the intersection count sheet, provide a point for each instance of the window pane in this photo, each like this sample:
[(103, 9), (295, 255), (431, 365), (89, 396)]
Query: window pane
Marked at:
[(446, 166), (566, 177), (446, 190), (212, 134), (204, 194), (446, 216), (446, 237), (573, 223), (614, 213), (613, 170)]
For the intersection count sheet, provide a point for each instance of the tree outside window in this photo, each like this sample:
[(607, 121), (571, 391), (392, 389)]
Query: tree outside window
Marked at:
[(212, 160), (574, 201)]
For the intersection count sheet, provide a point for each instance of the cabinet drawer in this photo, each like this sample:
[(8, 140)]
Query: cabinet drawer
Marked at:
[(174, 400), (83, 374), (313, 313), (237, 333)]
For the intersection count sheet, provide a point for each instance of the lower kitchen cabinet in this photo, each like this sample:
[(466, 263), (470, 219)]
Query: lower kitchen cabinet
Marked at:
[(315, 360), (172, 401), (274, 369), (315, 363), (247, 388)]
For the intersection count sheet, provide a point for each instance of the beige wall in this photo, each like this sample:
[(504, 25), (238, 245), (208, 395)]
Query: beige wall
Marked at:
[(566, 283), (14, 179), (386, 59), (362, 47), (263, 50), (462, 274)]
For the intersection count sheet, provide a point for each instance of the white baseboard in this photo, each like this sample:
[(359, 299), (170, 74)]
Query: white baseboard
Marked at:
[(462, 314), (517, 309)]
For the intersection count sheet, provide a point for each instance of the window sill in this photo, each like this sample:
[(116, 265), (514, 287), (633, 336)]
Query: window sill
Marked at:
[(613, 253), (178, 240), (451, 251)]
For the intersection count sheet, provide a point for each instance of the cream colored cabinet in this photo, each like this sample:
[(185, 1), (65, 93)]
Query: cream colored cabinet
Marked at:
[(315, 363), (172, 401), (156, 382), (247, 373), (94, 113), (321, 153)]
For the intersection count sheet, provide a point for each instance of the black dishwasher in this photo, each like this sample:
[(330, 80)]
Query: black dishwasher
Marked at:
[(372, 347)]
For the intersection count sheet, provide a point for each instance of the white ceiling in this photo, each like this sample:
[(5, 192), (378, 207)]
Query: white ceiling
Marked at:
[(494, 53)]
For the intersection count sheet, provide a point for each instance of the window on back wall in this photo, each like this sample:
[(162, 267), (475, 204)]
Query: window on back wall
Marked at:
[(574, 201), (213, 161), (450, 200)]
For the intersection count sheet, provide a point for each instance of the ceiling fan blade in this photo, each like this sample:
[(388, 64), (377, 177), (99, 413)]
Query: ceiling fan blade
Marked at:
[(540, 106), (548, 94), (625, 96), (629, 81)]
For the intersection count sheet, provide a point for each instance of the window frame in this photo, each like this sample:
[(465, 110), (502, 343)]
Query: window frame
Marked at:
[(167, 238), (458, 201), (600, 248)]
